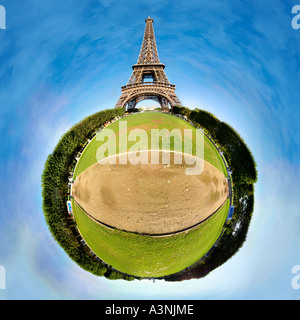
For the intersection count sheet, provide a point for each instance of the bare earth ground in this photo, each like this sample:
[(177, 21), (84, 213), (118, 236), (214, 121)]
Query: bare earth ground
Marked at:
[(150, 198)]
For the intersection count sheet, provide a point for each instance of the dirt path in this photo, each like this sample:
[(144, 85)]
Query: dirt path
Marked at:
[(152, 199)]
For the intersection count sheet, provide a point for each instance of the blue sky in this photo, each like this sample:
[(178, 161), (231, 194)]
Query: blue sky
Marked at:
[(62, 61)]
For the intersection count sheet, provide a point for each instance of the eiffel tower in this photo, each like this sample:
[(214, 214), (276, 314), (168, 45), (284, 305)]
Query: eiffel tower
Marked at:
[(148, 80)]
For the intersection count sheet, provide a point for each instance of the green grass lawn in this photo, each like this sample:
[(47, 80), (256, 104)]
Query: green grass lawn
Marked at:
[(148, 121), (148, 256)]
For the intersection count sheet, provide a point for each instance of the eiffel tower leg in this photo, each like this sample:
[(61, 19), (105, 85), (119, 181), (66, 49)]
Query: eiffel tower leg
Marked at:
[(164, 104), (131, 104)]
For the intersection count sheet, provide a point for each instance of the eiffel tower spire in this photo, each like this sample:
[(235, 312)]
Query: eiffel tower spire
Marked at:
[(148, 80), (148, 52)]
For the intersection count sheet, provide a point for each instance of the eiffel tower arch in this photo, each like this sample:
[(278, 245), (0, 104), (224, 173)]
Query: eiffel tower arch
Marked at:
[(148, 79)]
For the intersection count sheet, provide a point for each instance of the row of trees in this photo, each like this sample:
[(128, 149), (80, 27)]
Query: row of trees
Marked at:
[(244, 175), (55, 193), (237, 153)]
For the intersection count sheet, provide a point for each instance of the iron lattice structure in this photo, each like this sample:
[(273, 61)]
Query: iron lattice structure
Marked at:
[(148, 67)]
